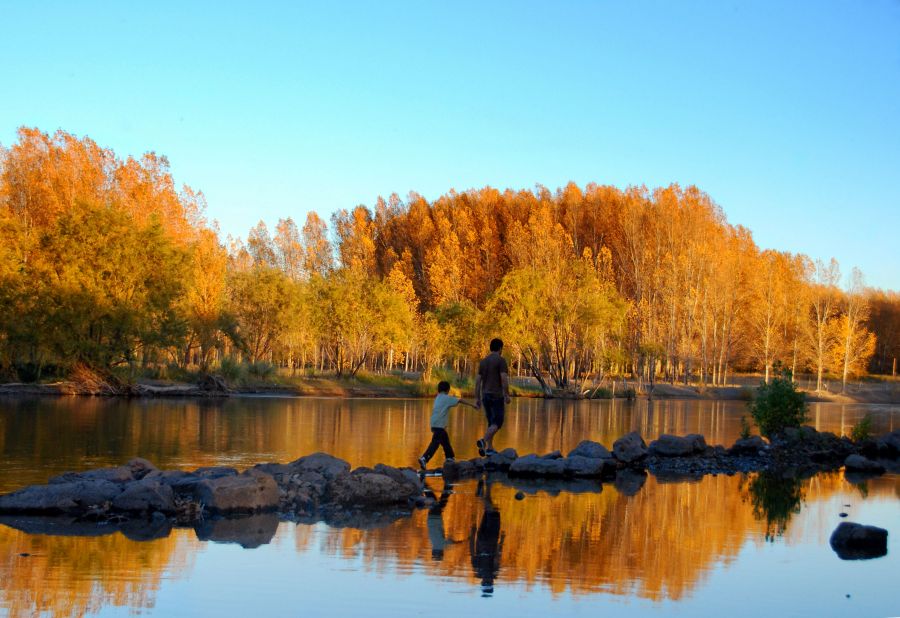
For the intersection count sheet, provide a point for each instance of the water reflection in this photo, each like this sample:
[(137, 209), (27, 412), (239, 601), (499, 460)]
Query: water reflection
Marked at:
[(660, 543), (43, 437)]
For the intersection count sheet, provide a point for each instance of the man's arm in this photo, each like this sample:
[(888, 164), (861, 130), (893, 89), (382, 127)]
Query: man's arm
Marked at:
[(478, 392), (504, 379)]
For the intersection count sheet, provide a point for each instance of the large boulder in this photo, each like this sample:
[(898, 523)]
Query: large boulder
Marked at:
[(852, 541), (858, 463), (630, 448), (327, 465), (502, 460), (145, 496), (249, 492), (535, 465), (754, 445), (588, 467), (215, 472), (889, 444), (591, 450), (118, 474), (676, 446), (365, 487), (72, 497), (459, 468), (404, 476)]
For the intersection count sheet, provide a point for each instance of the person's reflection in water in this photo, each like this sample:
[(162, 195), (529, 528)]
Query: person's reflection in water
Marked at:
[(485, 543), (435, 522)]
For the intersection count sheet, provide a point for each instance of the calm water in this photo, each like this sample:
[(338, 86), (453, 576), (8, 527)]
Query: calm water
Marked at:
[(737, 545)]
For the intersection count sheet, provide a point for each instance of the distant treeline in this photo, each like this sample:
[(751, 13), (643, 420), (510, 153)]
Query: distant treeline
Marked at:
[(105, 262)]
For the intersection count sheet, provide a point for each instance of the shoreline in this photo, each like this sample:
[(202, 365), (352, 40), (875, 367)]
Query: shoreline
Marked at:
[(413, 389)]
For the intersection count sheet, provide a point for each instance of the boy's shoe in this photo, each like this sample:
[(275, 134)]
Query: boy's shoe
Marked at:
[(422, 463), (450, 460), (490, 452), (480, 443)]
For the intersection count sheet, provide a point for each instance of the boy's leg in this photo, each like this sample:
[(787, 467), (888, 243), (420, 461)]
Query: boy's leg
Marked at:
[(445, 442), (434, 444)]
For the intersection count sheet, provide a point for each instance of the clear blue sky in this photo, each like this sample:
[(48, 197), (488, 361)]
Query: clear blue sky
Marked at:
[(786, 113)]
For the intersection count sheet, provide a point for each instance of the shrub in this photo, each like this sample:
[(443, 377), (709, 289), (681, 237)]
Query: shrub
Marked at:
[(602, 393), (862, 430), (261, 369), (231, 370), (778, 404), (745, 428)]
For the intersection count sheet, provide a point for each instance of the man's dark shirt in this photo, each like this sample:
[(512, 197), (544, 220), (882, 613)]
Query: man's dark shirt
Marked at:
[(490, 368)]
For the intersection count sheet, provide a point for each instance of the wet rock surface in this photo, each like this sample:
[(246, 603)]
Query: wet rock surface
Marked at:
[(145, 501)]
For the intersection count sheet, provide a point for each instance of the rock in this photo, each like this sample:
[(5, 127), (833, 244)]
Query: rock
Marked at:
[(119, 474), (629, 482), (501, 460), (852, 541), (534, 465), (587, 467), (458, 469), (590, 449), (140, 468), (328, 466), (858, 463), (520, 495), (249, 492), (406, 476), (248, 531), (675, 446), (72, 497), (367, 488), (888, 445), (144, 496), (552, 455), (630, 448), (754, 445), (215, 472)]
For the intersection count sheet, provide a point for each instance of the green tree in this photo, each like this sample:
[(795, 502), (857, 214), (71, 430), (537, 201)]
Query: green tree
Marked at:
[(778, 405)]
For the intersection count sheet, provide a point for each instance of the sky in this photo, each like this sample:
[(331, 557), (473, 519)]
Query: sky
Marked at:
[(786, 113)]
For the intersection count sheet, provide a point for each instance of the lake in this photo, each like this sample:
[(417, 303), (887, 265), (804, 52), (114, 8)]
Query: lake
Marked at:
[(741, 545)]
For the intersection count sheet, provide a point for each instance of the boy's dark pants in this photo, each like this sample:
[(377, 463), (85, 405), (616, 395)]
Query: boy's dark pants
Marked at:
[(439, 437)]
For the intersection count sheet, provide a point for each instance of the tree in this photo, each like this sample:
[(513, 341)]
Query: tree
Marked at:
[(262, 301), (778, 405), (823, 300), (853, 344)]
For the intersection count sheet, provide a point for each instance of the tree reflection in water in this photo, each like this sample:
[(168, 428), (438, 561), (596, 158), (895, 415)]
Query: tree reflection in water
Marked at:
[(776, 497)]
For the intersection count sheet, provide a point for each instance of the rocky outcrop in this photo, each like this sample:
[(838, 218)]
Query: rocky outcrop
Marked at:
[(754, 445), (668, 445), (591, 450), (853, 541), (630, 448), (250, 492), (367, 488)]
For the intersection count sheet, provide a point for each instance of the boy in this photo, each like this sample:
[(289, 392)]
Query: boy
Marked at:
[(439, 413)]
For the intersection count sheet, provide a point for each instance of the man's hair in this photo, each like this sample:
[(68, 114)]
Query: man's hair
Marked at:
[(496, 344), (443, 386)]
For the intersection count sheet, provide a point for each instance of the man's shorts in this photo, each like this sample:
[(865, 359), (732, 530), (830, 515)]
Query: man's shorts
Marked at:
[(494, 409)]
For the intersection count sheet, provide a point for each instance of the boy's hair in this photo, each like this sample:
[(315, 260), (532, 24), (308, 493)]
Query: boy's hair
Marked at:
[(496, 344), (443, 386)]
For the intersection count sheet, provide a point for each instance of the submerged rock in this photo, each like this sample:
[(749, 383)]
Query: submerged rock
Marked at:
[(852, 541)]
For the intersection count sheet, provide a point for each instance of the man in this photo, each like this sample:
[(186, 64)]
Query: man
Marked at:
[(492, 391)]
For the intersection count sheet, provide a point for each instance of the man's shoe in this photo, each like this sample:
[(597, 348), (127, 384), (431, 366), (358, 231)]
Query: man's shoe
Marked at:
[(490, 452), (450, 460), (480, 443), (422, 463)]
